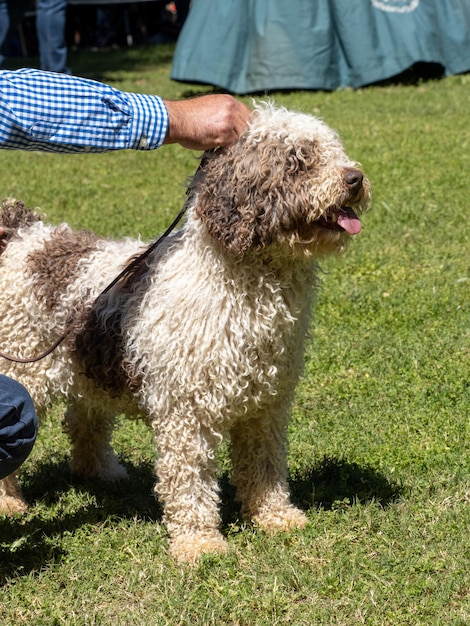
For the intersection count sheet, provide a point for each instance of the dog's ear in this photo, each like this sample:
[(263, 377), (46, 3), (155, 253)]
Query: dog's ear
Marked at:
[(223, 199), (245, 192)]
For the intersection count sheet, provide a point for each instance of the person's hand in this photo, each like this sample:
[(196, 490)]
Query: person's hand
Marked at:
[(207, 121)]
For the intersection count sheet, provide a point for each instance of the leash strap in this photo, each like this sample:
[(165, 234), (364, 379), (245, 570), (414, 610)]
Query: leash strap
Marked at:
[(138, 259)]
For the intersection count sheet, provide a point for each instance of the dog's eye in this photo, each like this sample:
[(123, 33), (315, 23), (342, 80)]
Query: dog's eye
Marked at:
[(301, 159)]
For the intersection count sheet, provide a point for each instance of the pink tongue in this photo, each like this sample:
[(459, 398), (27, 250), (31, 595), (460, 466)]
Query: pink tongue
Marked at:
[(349, 221)]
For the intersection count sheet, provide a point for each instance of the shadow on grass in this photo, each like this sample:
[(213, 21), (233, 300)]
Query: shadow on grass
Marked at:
[(65, 504), (125, 498), (27, 544), (336, 483), (331, 484)]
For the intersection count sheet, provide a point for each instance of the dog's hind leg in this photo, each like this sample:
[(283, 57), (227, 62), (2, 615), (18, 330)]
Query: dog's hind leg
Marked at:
[(90, 433), (188, 489), (258, 452)]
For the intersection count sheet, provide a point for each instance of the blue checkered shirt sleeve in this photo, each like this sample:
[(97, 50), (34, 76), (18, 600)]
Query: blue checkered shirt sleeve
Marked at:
[(60, 113)]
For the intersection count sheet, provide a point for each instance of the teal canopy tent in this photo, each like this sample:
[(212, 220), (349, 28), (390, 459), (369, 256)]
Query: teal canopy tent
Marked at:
[(248, 46)]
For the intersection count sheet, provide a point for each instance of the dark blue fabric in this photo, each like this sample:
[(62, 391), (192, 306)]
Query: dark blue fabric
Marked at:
[(248, 46), (18, 425)]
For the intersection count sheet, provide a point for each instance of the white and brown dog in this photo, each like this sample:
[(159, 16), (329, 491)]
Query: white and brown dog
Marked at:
[(205, 339)]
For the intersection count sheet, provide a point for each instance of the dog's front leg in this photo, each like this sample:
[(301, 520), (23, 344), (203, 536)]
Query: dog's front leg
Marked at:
[(188, 488), (258, 454)]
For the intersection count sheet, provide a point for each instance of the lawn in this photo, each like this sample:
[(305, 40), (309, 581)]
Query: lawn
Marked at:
[(379, 440)]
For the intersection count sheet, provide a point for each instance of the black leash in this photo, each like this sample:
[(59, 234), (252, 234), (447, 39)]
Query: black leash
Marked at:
[(138, 259)]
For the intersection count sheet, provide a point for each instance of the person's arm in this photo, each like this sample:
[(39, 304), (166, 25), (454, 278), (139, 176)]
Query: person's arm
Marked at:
[(55, 112), (60, 113)]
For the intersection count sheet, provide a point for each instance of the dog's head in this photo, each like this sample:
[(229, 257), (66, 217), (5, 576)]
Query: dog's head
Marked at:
[(287, 185)]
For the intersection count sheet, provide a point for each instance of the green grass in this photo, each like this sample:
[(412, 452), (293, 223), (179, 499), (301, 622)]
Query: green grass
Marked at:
[(379, 442)]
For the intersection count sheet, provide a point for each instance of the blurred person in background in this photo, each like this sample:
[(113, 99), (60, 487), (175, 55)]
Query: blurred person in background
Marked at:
[(11, 13), (51, 18)]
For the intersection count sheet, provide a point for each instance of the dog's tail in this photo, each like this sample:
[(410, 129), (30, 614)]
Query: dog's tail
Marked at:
[(14, 215)]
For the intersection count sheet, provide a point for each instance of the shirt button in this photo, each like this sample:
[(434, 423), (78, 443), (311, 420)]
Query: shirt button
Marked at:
[(144, 142)]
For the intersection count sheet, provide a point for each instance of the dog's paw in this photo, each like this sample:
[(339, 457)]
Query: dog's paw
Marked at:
[(113, 472), (281, 519), (190, 547), (110, 471), (12, 505)]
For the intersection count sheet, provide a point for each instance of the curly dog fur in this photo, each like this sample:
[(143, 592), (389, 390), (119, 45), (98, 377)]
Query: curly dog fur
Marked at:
[(205, 341)]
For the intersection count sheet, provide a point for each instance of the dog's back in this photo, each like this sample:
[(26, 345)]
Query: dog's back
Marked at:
[(49, 279)]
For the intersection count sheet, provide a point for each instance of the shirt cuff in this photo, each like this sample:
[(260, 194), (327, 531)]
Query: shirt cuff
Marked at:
[(149, 121)]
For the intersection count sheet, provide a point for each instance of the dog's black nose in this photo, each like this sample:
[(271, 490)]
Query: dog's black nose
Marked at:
[(353, 178)]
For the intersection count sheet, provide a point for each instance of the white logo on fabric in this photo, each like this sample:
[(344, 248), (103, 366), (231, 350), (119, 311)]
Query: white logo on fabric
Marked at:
[(396, 6)]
